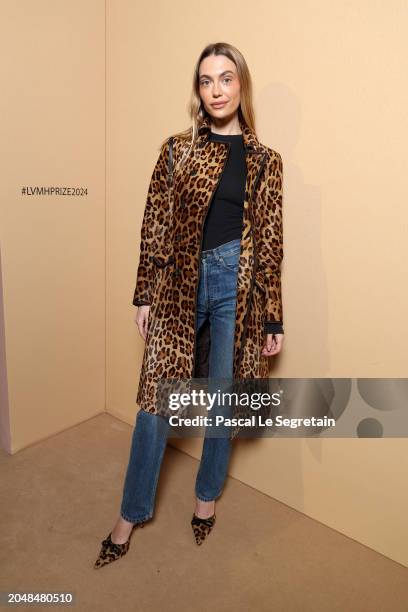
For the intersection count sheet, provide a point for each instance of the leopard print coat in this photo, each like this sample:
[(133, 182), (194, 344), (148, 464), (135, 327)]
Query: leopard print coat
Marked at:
[(169, 262)]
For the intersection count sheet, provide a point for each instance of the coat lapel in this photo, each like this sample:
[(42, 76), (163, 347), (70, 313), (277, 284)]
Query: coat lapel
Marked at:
[(254, 154)]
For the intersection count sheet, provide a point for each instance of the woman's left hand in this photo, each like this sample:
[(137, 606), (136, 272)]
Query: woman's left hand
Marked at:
[(273, 344)]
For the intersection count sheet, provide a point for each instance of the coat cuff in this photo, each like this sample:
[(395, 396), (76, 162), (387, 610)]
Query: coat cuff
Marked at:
[(137, 302), (274, 327)]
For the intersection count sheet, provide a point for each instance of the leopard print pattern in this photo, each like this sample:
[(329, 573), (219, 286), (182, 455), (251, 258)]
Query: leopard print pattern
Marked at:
[(168, 271), (202, 527), (110, 551)]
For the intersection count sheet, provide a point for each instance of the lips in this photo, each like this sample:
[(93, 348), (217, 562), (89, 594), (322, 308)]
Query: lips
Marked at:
[(219, 105)]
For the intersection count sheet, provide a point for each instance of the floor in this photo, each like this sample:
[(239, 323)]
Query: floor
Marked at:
[(61, 498)]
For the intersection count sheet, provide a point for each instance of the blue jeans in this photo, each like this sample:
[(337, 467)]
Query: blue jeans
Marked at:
[(216, 300)]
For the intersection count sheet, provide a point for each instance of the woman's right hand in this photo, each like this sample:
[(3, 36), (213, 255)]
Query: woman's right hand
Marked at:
[(142, 320)]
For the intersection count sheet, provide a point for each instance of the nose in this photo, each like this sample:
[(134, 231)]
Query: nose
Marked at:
[(216, 91)]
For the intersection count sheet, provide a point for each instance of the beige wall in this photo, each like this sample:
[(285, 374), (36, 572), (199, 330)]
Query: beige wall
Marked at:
[(52, 247), (330, 97)]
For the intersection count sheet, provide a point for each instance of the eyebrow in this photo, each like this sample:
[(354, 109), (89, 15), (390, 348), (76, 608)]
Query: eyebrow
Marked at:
[(222, 74)]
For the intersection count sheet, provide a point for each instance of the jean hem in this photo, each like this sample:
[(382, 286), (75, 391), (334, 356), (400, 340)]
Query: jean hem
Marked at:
[(206, 499), (135, 520)]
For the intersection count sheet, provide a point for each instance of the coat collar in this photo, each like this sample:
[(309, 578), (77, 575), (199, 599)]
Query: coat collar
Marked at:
[(251, 142)]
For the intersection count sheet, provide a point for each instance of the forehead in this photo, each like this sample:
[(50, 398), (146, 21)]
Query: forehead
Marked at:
[(215, 64)]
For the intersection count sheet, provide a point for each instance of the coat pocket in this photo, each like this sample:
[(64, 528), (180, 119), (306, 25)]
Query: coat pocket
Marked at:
[(161, 261), (162, 270)]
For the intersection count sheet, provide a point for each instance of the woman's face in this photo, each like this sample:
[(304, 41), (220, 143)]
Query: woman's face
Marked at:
[(219, 83)]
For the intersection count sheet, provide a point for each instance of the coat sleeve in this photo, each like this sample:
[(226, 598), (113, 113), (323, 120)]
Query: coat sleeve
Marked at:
[(153, 230), (270, 248)]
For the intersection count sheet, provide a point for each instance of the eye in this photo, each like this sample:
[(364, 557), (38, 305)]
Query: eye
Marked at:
[(204, 82), (227, 79)]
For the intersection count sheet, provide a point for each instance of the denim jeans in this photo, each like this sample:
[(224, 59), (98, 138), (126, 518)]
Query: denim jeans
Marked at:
[(216, 300)]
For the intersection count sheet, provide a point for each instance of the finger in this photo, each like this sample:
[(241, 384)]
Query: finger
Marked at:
[(273, 347), (140, 327), (269, 342), (146, 327)]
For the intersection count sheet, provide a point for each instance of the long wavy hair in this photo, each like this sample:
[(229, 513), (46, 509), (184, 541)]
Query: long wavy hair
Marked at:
[(196, 109)]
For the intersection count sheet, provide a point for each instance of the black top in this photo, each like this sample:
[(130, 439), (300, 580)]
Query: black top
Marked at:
[(225, 215)]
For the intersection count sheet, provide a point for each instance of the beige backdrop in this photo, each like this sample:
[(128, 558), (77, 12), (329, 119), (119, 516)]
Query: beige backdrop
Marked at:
[(87, 99)]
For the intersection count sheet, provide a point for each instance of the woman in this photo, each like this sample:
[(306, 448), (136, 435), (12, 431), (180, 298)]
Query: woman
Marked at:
[(208, 284)]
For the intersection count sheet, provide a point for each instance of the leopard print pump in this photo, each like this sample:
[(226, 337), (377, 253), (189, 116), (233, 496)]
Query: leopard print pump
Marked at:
[(111, 551), (202, 527)]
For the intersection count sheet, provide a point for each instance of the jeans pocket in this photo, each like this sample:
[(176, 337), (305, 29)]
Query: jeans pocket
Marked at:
[(230, 261)]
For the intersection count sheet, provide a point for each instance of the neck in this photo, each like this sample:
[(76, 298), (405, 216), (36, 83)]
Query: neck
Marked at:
[(227, 127)]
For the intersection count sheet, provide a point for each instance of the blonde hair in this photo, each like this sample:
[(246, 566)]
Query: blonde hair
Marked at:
[(196, 109)]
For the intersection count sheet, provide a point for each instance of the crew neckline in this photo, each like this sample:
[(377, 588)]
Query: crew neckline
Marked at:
[(226, 136)]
